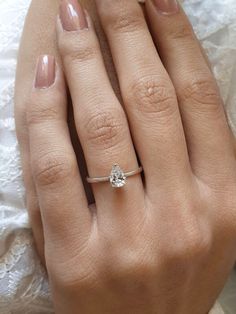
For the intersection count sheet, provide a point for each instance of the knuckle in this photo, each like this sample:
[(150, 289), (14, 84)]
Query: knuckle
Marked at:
[(85, 54), (53, 168), (105, 129), (140, 264), (197, 245), (67, 275), (183, 31), (74, 50), (121, 20), (152, 96), (191, 245), (125, 23), (201, 91), (38, 111), (132, 270)]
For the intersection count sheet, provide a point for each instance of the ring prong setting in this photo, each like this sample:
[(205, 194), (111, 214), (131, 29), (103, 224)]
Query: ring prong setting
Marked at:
[(117, 177)]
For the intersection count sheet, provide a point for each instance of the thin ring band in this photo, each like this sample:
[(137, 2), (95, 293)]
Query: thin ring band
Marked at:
[(117, 178), (106, 179)]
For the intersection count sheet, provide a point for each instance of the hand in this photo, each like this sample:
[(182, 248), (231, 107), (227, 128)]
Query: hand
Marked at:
[(165, 246)]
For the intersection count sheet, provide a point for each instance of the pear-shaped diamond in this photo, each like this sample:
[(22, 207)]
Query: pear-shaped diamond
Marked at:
[(117, 177)]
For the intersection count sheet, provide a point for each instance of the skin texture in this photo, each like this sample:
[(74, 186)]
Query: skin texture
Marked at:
[(165, 245), (39, 37)]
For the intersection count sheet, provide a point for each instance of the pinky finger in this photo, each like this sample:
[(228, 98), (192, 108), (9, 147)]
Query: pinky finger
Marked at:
[(63, 204)]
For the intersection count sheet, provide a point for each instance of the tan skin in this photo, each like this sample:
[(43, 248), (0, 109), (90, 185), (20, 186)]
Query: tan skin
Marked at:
[(39, 34), (166, 246)]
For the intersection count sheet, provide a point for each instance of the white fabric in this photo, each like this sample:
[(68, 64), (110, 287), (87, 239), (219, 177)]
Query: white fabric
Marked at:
[(23, 284), (217, 309)]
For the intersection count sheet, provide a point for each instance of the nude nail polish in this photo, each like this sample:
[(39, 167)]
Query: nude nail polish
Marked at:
[(167, 7), (45, 72), (72, 15)]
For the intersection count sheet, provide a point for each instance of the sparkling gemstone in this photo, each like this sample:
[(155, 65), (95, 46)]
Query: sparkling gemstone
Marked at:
[(117, 177)]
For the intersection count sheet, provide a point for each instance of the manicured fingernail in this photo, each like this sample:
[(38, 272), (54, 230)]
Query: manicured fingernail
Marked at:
[(167, 6), (45, 73), (72, 15)]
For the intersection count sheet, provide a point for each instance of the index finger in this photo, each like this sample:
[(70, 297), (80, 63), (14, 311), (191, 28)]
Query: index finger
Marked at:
[(63, 204)]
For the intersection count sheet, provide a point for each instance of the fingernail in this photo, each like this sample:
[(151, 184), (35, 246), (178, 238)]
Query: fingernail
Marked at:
[(167, 7), (72, 15), (45, 73)]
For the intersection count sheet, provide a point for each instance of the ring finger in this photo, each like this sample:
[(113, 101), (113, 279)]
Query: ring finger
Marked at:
[(100, 120)]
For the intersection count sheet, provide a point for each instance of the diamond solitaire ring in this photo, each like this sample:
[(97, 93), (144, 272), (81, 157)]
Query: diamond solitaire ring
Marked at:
[(117, 178)]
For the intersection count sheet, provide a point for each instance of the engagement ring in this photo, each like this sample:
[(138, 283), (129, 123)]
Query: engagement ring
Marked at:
[(117, 178)]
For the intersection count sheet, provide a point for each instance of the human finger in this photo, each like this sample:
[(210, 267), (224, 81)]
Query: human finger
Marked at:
[(65, 214), (37, 38), (100, 120), (206, 129), (148, 93)]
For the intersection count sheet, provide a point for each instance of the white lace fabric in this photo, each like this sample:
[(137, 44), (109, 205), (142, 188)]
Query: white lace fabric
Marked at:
[(23, 283)]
